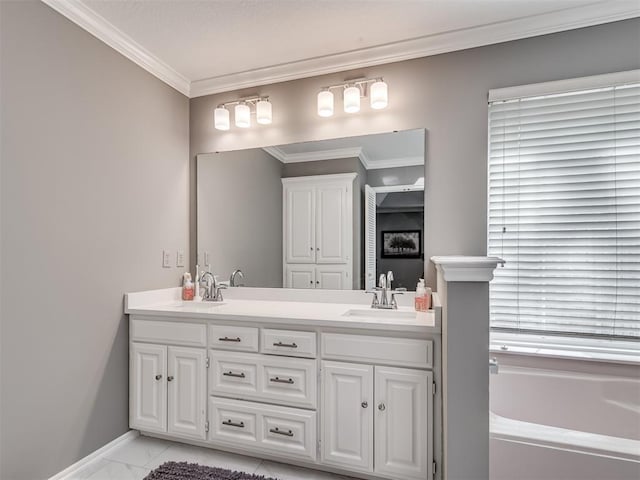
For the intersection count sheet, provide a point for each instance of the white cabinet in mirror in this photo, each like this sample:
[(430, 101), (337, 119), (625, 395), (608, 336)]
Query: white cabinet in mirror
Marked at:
[(321, 214)]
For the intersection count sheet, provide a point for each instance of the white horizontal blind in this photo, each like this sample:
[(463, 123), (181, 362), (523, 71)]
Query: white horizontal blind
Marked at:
[(564, 212)]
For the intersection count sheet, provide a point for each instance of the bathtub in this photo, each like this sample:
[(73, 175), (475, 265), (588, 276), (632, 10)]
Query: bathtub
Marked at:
[(561, 419)]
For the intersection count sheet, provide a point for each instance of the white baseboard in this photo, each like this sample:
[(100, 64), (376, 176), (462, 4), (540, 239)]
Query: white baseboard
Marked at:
[(71, 469)]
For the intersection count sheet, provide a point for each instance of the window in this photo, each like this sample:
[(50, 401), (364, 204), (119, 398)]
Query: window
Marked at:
[(564, 207)]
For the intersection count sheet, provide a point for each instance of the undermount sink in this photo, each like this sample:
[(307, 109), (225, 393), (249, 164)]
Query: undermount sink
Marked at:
[(380, 313)]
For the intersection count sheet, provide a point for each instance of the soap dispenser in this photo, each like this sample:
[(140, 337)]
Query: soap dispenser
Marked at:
[(187, 287)]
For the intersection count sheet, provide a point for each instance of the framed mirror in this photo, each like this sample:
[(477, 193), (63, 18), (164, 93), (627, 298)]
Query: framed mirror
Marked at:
[(331, 214)]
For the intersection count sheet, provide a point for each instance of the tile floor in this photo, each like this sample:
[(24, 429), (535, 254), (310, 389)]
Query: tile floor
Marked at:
[(136, 458)]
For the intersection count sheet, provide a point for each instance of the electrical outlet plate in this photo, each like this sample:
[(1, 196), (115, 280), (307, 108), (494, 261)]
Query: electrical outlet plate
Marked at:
[(166, 259), (180, 258)]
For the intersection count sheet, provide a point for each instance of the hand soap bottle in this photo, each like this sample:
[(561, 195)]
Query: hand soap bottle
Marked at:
[(420, 300), (187, 287)]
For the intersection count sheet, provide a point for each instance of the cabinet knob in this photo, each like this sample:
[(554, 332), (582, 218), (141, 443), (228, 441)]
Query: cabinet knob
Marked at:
[(169, 378), (318, 282), (364, 404), (382, 407), (158, 377), (311, 248), (318, 249)]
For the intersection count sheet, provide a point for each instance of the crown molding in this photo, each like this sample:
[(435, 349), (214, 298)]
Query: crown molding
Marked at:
[(352, 152), (96, 25), (567, 19)]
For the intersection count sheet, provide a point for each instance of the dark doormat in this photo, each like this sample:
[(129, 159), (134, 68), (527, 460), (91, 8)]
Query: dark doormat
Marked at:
[(193, 471)]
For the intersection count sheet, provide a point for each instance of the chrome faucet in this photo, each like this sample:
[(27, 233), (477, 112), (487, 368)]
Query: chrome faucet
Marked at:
[(212, 290), (384, 287), (232, 278)]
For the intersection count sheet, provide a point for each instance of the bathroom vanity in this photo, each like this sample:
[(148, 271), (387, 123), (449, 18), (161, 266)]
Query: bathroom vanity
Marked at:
[(317, 379)]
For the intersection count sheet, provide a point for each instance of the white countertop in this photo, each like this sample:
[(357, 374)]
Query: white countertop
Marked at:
[(167, 303)]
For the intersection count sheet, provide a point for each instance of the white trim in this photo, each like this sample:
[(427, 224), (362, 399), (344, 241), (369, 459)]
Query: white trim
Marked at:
[(99, 27), (350, 152), (531, 26), (72, 469), (393, 162), (458, 268), (347, 152), (398, 188), (336, 176), (573, 348), (564, 86)]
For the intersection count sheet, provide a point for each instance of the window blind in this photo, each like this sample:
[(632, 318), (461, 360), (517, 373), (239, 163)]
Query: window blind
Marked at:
[(564, 212)]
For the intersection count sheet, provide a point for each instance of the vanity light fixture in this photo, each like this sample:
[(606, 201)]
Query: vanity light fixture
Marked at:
[(242, 112), (376, 89)]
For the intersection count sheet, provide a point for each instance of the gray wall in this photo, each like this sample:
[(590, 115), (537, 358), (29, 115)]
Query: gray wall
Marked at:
[(447, 95), (240, 215), (94, 184)]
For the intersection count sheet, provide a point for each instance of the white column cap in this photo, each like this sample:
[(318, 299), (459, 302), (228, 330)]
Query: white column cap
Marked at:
[(460, 268)]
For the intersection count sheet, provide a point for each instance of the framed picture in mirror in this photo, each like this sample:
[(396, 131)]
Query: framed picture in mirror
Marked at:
[(401, 244)]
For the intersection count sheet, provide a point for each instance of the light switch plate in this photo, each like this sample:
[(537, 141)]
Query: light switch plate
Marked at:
[(180, 258), (166, 259)]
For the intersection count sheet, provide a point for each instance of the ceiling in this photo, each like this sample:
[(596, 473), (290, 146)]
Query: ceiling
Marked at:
[(209, 46), (383, 150)]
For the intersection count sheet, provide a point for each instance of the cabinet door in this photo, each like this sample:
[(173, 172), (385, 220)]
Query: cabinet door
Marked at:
[(148, 384), (333, 223), (299, 276), (403, 422), (187, 382), (347, 415), (299, 224), (332, 277)]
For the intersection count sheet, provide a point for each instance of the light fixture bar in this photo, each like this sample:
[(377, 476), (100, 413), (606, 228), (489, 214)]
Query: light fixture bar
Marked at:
[(352, 91), (242, 112)]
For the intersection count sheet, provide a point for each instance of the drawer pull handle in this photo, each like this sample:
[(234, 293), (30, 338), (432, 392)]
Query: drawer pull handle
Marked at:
[(233, 424), (232, 374), (158, 377), (169, 378), (282, 380), (277, 431), (288, 345), (227, 339), (364, 404), (382, 407)]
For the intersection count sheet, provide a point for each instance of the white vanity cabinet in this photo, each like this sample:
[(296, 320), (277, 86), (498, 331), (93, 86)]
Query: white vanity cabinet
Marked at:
[(378, 419), (168, 382), (318, 231), (357, 404)]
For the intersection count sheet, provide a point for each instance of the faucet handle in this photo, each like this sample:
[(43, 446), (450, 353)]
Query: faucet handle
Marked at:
[(374, 300)]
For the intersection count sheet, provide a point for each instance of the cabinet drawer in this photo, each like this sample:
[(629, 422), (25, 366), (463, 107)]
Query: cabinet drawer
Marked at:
[(406, 352), (264, 378), (289, 343), (227, 337), (171, 333), (281, 430)]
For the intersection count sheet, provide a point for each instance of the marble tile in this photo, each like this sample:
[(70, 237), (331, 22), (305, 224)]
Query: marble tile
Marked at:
[(118, 471), (283, 471), (88, 470), (205, 456), (139, 451)]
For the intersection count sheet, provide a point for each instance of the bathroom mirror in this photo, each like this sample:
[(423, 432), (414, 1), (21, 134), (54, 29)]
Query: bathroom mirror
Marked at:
[(331, 214)]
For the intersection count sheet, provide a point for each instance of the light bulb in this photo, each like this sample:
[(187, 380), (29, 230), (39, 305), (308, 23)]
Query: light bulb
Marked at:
[(352, 100), (263, 112), (221, 118), (243, 115), (379, 95), (325, 103)]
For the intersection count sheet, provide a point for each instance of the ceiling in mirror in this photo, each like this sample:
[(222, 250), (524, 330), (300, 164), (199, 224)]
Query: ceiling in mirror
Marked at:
[(314, 214)]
